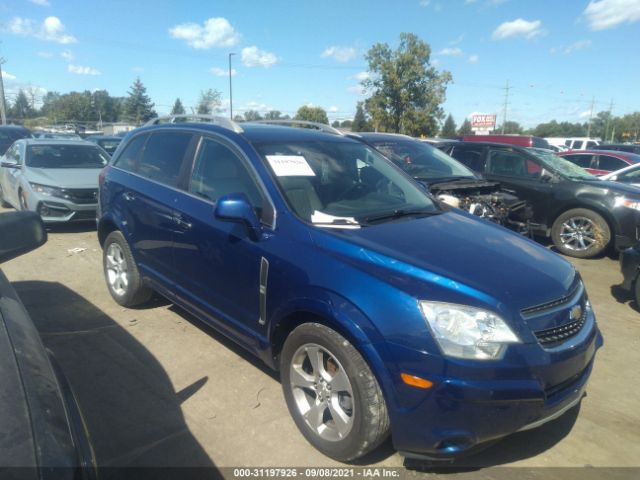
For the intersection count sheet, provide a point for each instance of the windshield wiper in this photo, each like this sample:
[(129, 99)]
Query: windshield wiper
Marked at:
[(399, 213)]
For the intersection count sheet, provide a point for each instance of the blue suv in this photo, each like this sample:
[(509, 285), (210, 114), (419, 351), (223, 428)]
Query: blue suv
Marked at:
[(385, 311)]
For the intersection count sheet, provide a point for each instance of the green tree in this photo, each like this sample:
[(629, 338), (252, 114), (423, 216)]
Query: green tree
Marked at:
[(407, 92), (252, 115), (465, 128), (347, 124), (510, 127), (312, 114), (138, 106), (449, 127), (178, 108), (273, 115), (335, 123), (360, 123), (21, 108), (208, 102)]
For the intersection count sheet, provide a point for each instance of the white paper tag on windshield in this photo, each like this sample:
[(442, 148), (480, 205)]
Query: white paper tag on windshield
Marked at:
[(290, 166)]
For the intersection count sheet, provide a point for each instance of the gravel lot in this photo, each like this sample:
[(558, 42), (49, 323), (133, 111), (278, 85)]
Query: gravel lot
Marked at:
[(159, 388)]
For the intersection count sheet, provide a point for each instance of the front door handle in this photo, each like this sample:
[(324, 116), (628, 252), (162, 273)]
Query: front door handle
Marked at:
[(181, 222), (128, 196)]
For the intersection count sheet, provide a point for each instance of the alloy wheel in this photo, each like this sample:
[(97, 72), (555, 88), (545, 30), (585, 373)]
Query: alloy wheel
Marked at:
[(578, 233), (322, 391), (117, 271)]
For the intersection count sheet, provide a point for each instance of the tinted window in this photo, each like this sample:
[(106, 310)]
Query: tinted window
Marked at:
[(611, 164), (540, 143), (163, 156), (109, 145), (577, 144), (512, 164), (591, 144), (219, 171), (472, 157), (567, 143), (129, 156), (583, 161), (65, 156)]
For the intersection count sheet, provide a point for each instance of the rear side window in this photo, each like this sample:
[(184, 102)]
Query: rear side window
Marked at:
[(577, 144), (591, 144), (163, 156), (583, 161), (611, 164), (129, 156), (471, 157)]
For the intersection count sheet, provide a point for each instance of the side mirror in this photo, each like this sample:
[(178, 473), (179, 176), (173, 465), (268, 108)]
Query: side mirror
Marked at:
[(235, 207), (8, 164), (20, 232)]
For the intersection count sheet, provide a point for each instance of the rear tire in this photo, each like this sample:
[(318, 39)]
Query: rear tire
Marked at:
[(121, 272), (335, 400), (580, 233)]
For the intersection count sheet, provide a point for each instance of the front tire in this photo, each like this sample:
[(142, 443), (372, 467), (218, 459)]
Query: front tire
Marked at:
[(332, 395), (121, 272), (580, 233)]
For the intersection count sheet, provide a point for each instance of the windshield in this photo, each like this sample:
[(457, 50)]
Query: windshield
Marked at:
[(342, 183), (66, 156), (559, 164), (420, 160)]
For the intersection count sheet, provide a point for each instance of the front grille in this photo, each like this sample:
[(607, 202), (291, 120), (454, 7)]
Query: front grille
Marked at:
[(552, 337), (81, 196), (85, 215), (538, 309)]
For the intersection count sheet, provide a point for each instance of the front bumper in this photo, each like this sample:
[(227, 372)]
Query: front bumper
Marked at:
[(629, 266), (461, 415), (53, 211)]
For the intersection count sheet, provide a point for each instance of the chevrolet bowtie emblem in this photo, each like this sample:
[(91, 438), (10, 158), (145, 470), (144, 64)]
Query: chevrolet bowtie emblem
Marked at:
[(576, 312)]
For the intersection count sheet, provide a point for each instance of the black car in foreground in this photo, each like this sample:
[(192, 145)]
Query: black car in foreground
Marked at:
[(42, 433), (582, 214), (450, 181)]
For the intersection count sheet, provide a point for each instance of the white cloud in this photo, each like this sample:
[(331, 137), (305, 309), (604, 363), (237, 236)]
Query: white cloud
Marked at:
[(579, 45), (42, 3), (518, 28), (45, 54), (473, 59), (454, 52), (79, 70), (254, 57), (215, 32), (221, 72), (585, 114), (53, 30), (333, 109), (603, 14), (340, 54), (7, 76), (361, 76), (68, 56)]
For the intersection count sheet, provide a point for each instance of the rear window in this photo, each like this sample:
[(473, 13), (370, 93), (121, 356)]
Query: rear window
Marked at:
[(66, 156), (163, 156), (541, 143), (611, 164)]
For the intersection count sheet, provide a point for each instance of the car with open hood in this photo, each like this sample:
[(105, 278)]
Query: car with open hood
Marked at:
[(386, 311), (58, 179)]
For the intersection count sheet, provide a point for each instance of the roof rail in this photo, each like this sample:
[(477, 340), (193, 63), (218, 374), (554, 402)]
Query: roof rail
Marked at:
[(197, 118), (323, 127)]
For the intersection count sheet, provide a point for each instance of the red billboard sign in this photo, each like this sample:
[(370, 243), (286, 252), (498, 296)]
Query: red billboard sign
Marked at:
[(483, 121)]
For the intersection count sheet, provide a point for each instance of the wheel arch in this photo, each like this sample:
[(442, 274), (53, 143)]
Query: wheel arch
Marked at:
[(599, 209)]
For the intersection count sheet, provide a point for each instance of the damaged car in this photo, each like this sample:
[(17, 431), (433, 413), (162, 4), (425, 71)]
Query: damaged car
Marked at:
[(450, 181)]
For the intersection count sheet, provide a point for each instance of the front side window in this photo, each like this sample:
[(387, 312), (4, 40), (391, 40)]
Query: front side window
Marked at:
[(128, 159), (342, 182), (577, 144), (65, 156), (218, 171), (163, 156), (513, 164), (472, 157)]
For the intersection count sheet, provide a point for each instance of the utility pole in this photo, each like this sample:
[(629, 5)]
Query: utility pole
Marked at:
[(3, 104), (230, 89), (606, 128), (506, 103), (593, 101)]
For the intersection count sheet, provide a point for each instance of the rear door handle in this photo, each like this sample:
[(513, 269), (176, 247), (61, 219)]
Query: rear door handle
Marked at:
[(128, 196)]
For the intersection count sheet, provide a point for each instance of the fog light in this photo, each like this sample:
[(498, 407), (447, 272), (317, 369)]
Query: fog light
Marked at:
[(44, 211)]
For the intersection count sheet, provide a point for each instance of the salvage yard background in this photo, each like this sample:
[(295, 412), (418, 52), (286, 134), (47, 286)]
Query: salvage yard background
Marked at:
[(159, 388)]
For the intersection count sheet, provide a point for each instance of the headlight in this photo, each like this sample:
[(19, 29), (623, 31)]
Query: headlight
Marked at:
[(467, 332), (627, 202), (47, 190)]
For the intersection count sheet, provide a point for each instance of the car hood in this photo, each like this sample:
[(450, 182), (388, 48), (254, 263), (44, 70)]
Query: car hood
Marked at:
[(460, 252), (64, 177)]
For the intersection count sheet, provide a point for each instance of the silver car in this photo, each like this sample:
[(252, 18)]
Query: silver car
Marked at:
[(56, 178)]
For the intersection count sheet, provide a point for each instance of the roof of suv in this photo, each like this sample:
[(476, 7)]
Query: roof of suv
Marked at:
[(389, 137)]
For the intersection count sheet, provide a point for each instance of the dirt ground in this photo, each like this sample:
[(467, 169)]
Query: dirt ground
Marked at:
[(159, 388)]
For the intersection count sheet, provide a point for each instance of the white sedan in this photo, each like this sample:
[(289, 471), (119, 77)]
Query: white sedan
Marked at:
[(629, 175)]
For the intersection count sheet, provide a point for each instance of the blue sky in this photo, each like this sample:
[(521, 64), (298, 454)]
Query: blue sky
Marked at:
[(557, 55)]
